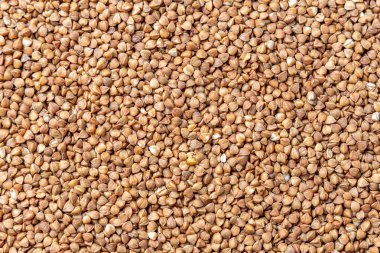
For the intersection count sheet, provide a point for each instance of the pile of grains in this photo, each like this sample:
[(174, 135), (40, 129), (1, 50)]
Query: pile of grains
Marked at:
[(190, 126)]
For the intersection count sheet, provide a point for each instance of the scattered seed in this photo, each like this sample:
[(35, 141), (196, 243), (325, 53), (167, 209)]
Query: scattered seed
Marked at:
[(189, 126)]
